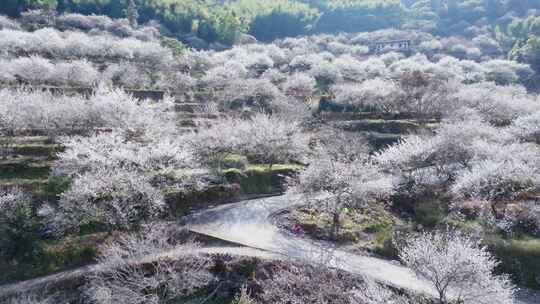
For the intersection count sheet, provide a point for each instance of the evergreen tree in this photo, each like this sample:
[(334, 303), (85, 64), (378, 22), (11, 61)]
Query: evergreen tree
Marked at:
[(131, 13)]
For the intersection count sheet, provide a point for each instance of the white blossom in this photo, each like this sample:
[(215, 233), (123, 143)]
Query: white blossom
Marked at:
[(113, 150), (299, 85), (458, 267), (139, 272), (108, 198)]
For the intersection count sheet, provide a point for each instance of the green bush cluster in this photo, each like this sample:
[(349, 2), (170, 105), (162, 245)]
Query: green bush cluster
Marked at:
[(519, 257), (269, 20), (358, 15), (524, 35), (176, 46), (218, 21), (15, 7), (41, 261)]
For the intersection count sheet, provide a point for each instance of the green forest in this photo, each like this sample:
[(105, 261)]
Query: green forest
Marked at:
[(223, 21)]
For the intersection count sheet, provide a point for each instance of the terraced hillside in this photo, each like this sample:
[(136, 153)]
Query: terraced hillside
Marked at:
[(109, 142)]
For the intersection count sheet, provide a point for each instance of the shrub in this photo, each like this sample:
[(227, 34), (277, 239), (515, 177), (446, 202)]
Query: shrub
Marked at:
[(107, 199), (19, 239), (93, 23), (38, 112), (128, 279), (174, 45), (304, 62), (497, 104), (62, 45), (36, 70), (76, 73), (350, 68), (266, 138), (218, 77), (527, 128), (325, 73), (257, 94), (345, 180), (275, 76), (299, 86), (371, 94), (127, 75), (494, 181), (176, 82), (243, 297), (428, 162), (505, 72), (118, 151)]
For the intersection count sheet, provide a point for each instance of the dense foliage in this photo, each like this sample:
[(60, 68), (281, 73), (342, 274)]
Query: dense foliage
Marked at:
[(510, 22), (459, 268), (458, 121)]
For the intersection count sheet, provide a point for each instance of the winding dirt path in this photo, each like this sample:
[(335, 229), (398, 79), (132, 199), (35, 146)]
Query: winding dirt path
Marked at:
[(247, 223)]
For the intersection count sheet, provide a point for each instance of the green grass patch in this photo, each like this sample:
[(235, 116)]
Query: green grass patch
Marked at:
[(384, 244), (261, 178), (275, 168), (36, 149), (24, 172), (51, 190), (429, 214), (235, 161), (52, 257), (370, 228), (182, 201), (519, 257)]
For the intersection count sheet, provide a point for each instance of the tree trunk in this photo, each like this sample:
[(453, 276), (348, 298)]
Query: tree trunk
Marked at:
[(442, 297), (335, 225)]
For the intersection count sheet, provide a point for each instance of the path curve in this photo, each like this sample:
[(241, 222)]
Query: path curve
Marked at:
[(247, 223)]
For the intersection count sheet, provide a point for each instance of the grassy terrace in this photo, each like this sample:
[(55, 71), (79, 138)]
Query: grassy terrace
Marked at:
[(519, 256), (31, 172), (26, 161), (261, 178), (258, 179)]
